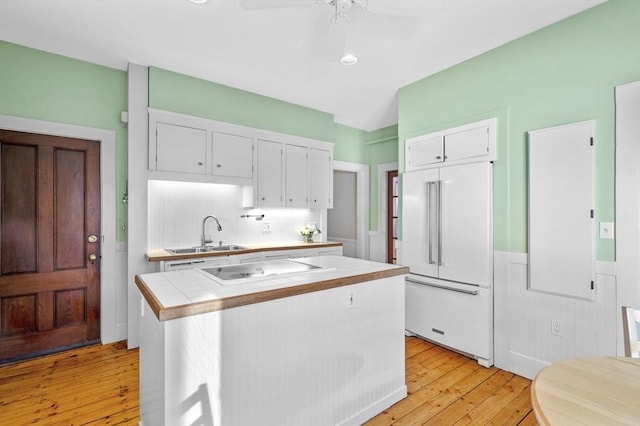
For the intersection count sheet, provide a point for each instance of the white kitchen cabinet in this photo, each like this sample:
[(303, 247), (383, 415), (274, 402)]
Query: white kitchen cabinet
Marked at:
[(194, 149), (464, 144), (296, 177), (269, 174), (422, 151), (320, 179), (232, 155), (180, 148)]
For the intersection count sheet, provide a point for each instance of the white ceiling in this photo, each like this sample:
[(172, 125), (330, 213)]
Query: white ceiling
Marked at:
[(281, 52)]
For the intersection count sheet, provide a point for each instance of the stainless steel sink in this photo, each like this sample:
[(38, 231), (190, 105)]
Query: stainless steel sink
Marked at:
[(207, 249)]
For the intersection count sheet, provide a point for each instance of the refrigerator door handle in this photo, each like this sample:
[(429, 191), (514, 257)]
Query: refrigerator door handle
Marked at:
[(429, 225), (439, 219), (459, 290)]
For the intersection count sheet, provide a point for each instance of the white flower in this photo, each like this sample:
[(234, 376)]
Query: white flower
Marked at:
[(309, 230)]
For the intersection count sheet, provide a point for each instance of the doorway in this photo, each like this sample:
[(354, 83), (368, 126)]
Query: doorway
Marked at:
[(49, 243), (342, 218), (348, 220)]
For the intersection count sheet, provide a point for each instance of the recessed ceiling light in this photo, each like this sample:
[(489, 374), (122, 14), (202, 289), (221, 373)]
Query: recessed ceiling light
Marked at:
[(349, 59), (198, 1)]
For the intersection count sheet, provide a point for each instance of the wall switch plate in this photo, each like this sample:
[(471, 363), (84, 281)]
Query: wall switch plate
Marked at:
[(607, 230), (266, 227)]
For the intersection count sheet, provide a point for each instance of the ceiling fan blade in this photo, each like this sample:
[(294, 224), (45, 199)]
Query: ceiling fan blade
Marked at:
[(408, 8), (275, 4), (337, 40)]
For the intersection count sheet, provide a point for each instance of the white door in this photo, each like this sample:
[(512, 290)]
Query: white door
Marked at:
[(466, 233), (269, 174), (296, 176), (419, 221)]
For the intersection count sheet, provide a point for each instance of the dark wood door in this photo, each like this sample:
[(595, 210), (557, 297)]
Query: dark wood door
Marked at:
[(49, 235)]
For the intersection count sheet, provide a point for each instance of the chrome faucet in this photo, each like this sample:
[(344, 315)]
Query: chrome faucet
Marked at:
[(203, 239)]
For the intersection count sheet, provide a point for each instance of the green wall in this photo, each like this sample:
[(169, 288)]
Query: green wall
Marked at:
[(561, 74), (175, 92), (44, 86), (370, 148)]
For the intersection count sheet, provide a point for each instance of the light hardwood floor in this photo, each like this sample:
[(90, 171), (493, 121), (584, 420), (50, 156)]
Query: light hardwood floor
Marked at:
[(98, 385)]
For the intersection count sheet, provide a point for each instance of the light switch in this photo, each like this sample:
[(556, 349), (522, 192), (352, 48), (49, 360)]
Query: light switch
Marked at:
[(266, 227), (606, 230)]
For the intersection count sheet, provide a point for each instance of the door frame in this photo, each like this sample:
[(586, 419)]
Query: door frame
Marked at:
[(362, 204), (383, 169), (110, 330)]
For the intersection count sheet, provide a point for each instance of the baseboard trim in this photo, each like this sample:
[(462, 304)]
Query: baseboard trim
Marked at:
[(376, 408)]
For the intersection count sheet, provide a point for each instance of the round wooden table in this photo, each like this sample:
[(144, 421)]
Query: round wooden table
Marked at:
[(588, 391)]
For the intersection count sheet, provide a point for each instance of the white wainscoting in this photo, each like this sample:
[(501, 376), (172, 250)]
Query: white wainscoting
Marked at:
[(523, 340), (114, 311), (378, 246), (349, 247)]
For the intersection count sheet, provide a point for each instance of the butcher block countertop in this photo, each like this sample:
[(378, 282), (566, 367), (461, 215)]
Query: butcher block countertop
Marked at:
[(158, 255), (187, 292)]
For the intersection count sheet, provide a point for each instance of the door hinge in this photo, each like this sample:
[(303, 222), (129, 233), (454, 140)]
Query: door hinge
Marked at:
[(592, 214), (592, 285), (591, 141)]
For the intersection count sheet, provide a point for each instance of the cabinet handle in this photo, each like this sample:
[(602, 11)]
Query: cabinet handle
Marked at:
[(262, 198), (290, 199), (200, 163), (438, 157), (218, 165)]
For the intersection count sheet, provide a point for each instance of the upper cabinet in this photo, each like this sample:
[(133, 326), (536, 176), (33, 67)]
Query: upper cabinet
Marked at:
[(296, 184), (268, 185), (277, 170), (293, 173), (464, 144), (320, 179), (188, 156), (196, 149), (232, 155)]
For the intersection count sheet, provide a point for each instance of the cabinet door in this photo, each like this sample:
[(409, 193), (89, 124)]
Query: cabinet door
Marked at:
[(424, 150), (419, 222), (232, 155), (269, 174), (466, 232), (181, 148), (296, 176), (320, 179), (467, 144)]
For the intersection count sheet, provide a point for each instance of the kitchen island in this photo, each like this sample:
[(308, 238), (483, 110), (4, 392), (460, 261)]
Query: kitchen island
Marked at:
[(323, 346)]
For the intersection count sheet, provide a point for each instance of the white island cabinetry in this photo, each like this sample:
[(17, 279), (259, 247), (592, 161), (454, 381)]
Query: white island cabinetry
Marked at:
[(323, 347)]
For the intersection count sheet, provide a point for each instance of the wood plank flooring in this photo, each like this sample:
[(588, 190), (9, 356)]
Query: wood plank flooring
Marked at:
[(98, 385)]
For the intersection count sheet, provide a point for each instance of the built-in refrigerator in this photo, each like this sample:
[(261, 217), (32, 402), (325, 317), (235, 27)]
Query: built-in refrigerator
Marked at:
[(447, 242)]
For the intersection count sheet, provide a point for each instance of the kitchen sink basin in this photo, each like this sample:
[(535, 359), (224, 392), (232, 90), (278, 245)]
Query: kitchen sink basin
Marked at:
[(207, 249)]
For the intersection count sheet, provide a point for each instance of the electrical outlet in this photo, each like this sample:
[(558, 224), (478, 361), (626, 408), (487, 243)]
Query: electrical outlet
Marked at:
[(351, 300), (266, 227), (555, 327)]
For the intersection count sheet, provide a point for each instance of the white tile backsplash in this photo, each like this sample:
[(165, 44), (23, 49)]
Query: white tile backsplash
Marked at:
[(176, 211)]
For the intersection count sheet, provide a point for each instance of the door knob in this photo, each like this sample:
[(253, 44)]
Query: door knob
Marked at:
[(93, 257), (92, 238)]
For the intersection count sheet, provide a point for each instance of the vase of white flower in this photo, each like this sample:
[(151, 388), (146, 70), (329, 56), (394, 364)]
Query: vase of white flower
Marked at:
[(308, 231)]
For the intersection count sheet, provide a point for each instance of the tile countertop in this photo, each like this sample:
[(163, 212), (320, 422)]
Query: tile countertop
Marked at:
[(189, 292), (158, 255)]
